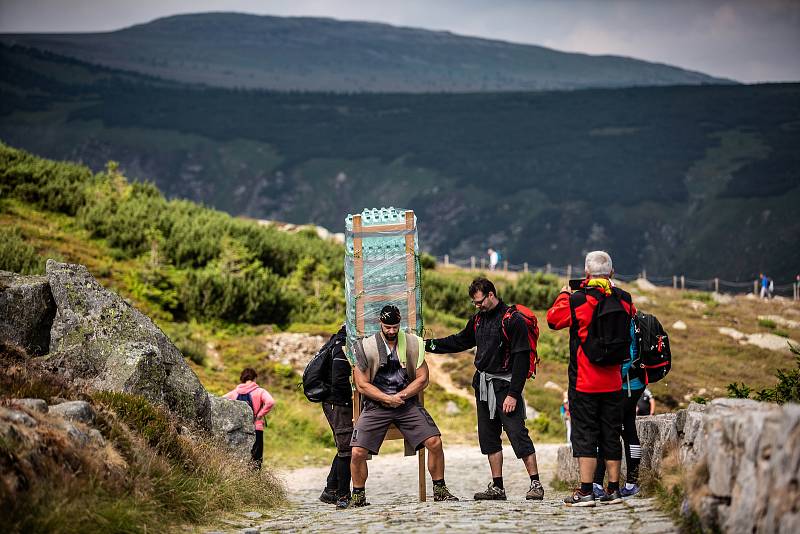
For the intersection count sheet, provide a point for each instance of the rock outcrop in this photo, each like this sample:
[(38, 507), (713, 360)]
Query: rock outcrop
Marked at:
[(100, 339), (232, 424), (743, 457), (27, 310)]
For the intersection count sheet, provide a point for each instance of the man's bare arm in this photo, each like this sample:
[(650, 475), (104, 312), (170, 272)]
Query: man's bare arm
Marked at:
[(419, 383), (366, 388)]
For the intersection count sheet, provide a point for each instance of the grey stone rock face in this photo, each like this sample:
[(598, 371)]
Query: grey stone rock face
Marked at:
[(567, 469), (27, 310), (99, 339), (75, 411), (657, 434), (232, 424)]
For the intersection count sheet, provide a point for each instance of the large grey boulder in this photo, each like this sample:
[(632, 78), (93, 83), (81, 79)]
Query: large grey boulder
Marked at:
[(752, 454), (99, 339), (232, 424), (27, 310), (657, 434), (75, 411)]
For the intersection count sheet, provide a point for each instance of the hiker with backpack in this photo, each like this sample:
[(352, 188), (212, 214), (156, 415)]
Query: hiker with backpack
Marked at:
[(326, 380), (599, 317), (505, 340), (390, 371), (260, 402)]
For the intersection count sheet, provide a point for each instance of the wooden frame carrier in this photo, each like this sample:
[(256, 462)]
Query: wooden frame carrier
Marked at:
[(411, 284)]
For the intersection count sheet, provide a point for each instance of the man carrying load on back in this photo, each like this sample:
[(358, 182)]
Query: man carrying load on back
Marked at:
[(390, 371), (503, 362), (599, 317)]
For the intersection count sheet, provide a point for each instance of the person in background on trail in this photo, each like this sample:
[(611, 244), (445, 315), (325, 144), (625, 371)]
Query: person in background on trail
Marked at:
[(494, 258), (390, 371), (502, 362), (764, 285), (646, 404), (261, 402), (338, 410), (564, 409), (595, 391), (632, 388)]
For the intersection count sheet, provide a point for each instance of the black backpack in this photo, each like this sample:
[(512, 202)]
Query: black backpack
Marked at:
[(245, 397), (654, 359), (317, 374), (608, 338)]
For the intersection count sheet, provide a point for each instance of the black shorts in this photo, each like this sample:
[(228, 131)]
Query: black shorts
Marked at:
[(340, 419), (411, 419), (596, 424), (513, 423)]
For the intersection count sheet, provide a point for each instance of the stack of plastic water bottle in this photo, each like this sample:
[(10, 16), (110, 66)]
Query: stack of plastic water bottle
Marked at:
[(385, 271)]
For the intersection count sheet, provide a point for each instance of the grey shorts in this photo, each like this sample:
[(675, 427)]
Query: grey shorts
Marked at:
[(411, 419), (340, 419)]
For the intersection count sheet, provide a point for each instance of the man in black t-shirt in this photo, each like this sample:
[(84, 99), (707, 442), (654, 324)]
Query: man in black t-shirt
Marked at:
[(501, 363)]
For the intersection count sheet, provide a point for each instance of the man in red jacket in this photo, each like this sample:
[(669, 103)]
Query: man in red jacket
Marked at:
[(595, 377)]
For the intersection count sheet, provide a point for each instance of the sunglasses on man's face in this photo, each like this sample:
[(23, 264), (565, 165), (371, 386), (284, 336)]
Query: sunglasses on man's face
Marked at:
[(477, 303)]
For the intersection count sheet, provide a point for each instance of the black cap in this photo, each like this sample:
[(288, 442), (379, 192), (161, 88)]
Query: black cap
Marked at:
[(390, 315)]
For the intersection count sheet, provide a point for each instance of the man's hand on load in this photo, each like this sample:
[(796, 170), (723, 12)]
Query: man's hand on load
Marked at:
[(509, 404)]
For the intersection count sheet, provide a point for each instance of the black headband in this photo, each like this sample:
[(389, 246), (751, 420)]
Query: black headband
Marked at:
[(390, 315)]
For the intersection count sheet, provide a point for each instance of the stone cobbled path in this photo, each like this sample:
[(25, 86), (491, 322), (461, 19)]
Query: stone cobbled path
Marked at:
[(392, 490)]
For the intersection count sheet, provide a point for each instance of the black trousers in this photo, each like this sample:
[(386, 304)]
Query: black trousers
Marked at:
[(257, 452), (630, 437)]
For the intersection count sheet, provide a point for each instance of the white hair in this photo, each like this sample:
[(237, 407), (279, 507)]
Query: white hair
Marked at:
[(598, 263)]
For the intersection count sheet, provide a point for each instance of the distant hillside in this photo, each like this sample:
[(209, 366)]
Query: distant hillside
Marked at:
[(701, 181), (315, 54)]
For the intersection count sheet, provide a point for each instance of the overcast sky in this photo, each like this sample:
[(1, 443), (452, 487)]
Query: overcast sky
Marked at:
[(747, 40)]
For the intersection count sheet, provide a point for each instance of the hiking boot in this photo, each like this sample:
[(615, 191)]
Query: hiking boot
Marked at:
[(598, 490), (610, 498), (328, 496), (579, 499), (492, 493), (441, 493), (343, 501), (358, 500), (625, 492), (535, 492)]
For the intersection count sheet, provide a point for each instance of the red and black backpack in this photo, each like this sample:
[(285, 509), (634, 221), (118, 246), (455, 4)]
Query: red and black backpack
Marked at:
[(533, 333)]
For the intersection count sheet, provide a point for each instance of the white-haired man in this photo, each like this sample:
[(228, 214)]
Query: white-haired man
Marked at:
[(598, 316)]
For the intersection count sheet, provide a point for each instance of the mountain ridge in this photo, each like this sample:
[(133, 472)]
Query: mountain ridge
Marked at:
[(321, 54)]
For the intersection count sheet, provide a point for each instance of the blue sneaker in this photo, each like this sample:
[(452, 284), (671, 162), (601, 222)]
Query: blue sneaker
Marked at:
[(625, 492), (598, 490)]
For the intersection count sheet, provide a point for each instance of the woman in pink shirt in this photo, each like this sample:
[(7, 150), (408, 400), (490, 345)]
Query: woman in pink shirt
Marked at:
[(261, 403)]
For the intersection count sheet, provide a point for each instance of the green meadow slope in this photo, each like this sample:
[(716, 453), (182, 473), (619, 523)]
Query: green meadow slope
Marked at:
[(222, 288)]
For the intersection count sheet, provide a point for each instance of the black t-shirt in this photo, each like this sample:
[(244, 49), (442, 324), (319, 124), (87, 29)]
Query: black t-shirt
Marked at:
[(392, 377), (492, 353), (643, 406)]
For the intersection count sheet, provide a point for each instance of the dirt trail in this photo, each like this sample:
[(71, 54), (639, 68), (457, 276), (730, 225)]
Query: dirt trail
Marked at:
[(392, 487)]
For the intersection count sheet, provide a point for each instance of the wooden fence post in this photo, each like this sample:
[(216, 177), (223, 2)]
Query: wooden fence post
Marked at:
[(569, 272), (755, 287), (547, 268), (472, 262), (483, 264), (674, 281), (683, 282), (447, 259), (716, 285), (525, 267), (505, 265)]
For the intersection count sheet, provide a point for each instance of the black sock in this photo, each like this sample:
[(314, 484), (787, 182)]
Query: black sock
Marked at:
[(343, 476), (613, 486), (498, 482), (357, 490), (586, 487), (438, 482), (535, 477)]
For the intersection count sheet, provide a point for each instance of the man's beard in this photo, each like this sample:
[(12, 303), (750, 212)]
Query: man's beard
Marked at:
[(390, 337)]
